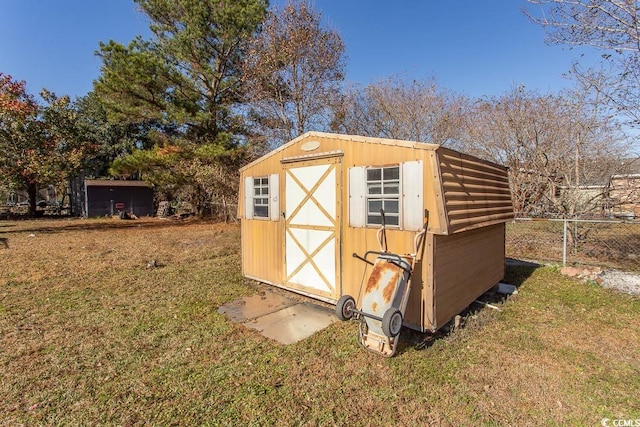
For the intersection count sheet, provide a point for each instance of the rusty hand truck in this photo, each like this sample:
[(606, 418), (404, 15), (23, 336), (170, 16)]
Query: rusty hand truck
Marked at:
[(383, 301)]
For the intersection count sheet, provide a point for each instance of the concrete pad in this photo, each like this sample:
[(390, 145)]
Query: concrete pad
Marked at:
[(255, 306), (292, 324), (277, 317)]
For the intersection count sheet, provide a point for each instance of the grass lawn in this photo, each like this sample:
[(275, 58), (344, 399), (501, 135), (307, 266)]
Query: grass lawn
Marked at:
[(90, 335)]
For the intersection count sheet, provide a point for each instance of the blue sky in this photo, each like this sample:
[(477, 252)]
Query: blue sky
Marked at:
[(474, 47)]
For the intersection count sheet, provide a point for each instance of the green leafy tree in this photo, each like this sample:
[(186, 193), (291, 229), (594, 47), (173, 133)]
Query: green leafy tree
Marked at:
[(40, 145)]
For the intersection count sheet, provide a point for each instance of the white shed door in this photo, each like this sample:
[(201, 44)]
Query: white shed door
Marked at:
[(312, 210)]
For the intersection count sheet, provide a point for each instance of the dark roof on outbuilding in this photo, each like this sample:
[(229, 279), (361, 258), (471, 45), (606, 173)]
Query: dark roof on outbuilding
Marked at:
[(114, 183)]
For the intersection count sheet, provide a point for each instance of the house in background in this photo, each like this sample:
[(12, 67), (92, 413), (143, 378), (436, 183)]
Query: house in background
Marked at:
[(613, 193), (624, 191), (84, 197), (103, 197), (589, 200)]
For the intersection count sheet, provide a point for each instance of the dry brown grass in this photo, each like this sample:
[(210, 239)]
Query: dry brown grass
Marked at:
[(89, 335)]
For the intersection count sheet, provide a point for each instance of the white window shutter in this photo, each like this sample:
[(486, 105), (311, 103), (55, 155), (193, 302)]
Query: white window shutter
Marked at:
[(248, 197), (274, 197), (412, 197), (357, 200)]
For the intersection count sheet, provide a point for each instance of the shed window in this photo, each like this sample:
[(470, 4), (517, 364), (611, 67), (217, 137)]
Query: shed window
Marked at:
[(383, 192), (261, 197)]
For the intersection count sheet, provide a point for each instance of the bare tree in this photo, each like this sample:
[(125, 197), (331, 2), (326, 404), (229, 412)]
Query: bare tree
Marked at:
[(293, 72), (559, 148), (400, 109), (519, 129), (612, 26), (598, 146)]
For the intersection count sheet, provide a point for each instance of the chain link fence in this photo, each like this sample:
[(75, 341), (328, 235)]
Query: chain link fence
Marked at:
[(611, 244)]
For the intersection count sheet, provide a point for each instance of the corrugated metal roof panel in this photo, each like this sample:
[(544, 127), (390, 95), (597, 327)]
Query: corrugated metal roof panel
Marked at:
[(114, 183), (476, 192)]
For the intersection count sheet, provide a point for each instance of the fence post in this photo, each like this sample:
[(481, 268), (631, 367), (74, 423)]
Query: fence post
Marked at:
[(564, 242)]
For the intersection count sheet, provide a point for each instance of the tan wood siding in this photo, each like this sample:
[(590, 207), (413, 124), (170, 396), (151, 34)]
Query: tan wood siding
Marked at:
[(361, 240), (262, 250), (294, 147), (357, 151), (465, 266), (429, 319), (476, 192)]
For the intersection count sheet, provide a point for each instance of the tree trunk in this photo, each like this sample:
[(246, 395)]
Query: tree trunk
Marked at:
[(32, 193)]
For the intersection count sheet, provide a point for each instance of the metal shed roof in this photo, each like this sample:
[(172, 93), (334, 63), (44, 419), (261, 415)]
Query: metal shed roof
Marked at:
[(114, 183)]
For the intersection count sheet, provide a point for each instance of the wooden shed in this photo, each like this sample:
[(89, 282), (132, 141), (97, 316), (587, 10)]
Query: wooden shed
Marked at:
[(307, 206), (109, 197)]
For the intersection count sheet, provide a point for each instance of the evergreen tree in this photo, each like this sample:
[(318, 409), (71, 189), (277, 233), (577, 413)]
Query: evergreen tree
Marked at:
[(183, 86)]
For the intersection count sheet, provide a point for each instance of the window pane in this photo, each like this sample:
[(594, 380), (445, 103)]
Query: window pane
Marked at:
[(392, 220), (374, 219), (383, 191), (374, 175), (391, 188), (374, 206), (374, 189), (391, 173), (265, 191), (265, 181), (256, 191), (261, 211), (256, 182), (391, 206)]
